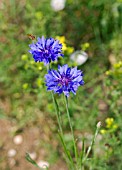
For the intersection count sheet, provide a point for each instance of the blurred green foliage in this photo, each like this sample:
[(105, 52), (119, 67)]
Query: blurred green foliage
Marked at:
[(98, 23)]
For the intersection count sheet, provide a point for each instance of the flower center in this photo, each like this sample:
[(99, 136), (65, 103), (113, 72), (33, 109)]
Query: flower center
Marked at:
[(64, 81), (46, 51)]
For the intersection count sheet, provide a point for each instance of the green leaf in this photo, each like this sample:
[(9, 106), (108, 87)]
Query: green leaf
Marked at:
[(29, 159)]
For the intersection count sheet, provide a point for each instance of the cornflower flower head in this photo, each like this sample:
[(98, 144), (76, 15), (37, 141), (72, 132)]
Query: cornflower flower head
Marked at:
[(46, 50), (65, 80)]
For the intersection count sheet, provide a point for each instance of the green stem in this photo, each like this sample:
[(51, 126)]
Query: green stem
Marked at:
[(58, 113), (61, 135), (70, 124), (93, 141)]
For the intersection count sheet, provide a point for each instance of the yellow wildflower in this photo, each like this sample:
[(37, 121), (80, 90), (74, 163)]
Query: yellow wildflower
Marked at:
[(39, 68), (32, 62), (62, 40), (115, 126), (103, 131), (25, 86), (39, 82), (107, 72), (109, 122), (39, 65), (24, 57), (70, 50), (118, 65), (64, 47), (85, 46), (39, 15)]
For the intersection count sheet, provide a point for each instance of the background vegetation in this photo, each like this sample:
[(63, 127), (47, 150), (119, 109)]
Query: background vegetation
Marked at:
[(26, 107)]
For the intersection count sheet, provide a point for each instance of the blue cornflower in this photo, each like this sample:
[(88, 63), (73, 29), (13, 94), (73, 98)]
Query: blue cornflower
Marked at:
[(46, 50), (65, 80)]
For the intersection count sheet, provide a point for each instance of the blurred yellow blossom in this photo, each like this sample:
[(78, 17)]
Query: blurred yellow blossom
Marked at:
[(24, 57), (118, 65), (40, 68), (62, 40), (117, 69), (25, 86), (103, 131), (70, 50), (39, 65), (39, 82), (111, 126), (115, 126), (32, 62), (107, 72), (39, 15), (64, 47), (85, 46), (109, 122)]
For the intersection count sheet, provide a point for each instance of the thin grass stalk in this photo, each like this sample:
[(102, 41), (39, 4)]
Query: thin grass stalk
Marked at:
[(93, 141), (82, 154), (70, 124)]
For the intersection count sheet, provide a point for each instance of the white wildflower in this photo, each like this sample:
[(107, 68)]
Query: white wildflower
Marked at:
[(58, 5), (12, 153), (43, 164), (79, 57), (18, 139)]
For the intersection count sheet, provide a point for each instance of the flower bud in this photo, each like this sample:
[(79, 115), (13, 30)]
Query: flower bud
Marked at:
[(99, 124)]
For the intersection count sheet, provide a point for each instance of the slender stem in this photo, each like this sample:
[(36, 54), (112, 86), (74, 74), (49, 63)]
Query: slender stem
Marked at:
[(92, 143), (58, 112), (82, 154), (61, 135), (70, 124)]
